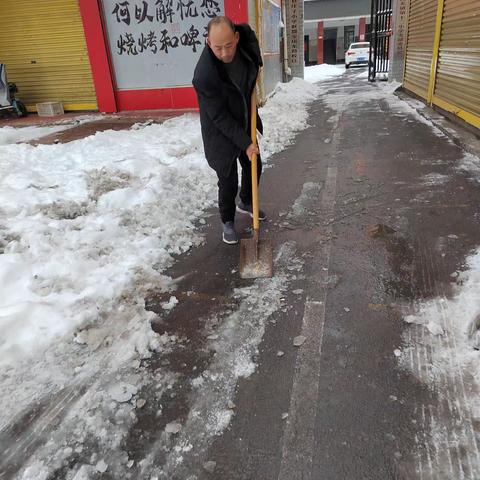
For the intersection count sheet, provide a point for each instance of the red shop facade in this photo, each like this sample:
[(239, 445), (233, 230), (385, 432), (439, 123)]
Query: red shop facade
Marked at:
[(143, 52)]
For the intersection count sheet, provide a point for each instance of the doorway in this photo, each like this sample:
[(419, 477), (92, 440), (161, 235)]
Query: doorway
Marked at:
[(306, 49), (330, 46)]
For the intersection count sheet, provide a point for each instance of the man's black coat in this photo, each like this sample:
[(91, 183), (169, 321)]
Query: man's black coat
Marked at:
[(224, 111)]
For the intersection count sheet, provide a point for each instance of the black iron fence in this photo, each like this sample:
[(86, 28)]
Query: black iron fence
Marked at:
[(381, 21)]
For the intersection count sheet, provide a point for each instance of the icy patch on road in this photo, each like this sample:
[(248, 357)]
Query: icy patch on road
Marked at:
[(302, 205), (433, 179), (410, 108), (303, 210), (442, 350), (471, 163)]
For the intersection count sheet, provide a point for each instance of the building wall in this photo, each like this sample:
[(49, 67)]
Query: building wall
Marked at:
[(323, 9), (340, 25), (340, 15)]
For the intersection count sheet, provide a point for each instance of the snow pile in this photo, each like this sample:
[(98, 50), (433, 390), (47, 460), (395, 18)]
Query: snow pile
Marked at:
[(85, 224), (318, 73), (284, 114)]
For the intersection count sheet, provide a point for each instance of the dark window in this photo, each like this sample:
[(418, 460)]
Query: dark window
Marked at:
[(306, 47), (348, 36), (368, 31)]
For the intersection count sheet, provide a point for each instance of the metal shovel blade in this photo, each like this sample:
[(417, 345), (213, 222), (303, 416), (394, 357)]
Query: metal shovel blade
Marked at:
[(256, 258)]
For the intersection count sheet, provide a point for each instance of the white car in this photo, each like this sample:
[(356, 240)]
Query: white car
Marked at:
[(357, 54)]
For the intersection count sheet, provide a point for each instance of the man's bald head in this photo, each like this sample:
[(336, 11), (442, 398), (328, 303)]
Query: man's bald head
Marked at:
[(220, 20), (222, 38)]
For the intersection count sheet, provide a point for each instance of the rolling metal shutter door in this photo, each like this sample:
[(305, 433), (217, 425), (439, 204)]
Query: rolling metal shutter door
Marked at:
[(421, 33), (458, 69), (43, 46)]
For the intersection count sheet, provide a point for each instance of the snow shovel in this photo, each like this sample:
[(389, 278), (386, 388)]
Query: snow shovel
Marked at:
[(256, 257)]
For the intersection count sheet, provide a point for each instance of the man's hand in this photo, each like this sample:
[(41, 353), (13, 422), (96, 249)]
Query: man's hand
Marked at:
[(251, 150)]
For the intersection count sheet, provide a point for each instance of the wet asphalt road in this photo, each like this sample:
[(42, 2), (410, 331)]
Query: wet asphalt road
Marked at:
[(367, 229)]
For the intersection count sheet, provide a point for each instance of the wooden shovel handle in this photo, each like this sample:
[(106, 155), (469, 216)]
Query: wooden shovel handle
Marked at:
[(253, 123)]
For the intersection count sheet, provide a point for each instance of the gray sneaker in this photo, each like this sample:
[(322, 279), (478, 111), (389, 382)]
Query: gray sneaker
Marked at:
[(248, 209), (229, 234)]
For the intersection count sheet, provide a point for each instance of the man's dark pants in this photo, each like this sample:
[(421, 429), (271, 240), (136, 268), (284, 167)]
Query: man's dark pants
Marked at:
[(228, 187)]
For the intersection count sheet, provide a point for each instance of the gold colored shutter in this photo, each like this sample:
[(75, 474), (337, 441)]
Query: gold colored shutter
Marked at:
[(43, 45), (458, 69), (421, 34)]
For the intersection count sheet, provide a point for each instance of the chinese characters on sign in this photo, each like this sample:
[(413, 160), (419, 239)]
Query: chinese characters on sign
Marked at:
[(295, 35), (156, 43), (132, 46), (164, 12), (401, 26), (294, 32)]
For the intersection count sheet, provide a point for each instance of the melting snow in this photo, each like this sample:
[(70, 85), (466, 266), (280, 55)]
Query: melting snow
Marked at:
[(441, 349)]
